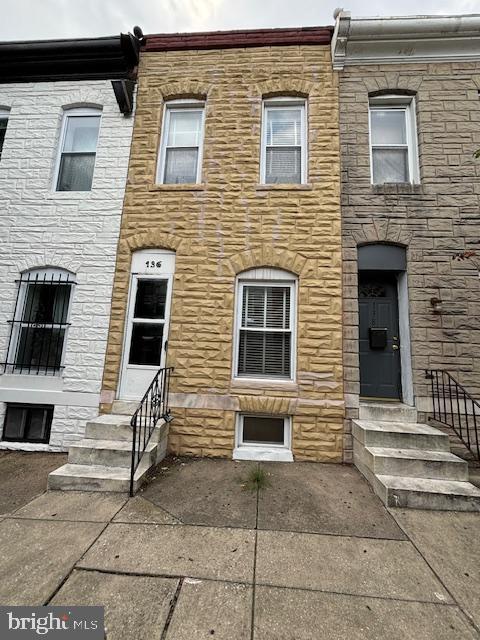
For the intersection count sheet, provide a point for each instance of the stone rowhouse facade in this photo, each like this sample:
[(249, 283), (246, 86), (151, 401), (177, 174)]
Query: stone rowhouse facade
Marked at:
[(228, 224), (76, 231), (434, 220)]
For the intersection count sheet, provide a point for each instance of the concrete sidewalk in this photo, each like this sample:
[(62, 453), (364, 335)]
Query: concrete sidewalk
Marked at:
[(195, 555)]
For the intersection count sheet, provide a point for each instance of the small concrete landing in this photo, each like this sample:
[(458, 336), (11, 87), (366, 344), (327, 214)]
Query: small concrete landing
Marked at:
[(101, 461), (409, 464)]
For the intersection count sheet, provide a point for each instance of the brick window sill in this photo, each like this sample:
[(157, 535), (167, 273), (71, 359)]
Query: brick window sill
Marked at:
[(177, 187), (283, 187), (258, 383)]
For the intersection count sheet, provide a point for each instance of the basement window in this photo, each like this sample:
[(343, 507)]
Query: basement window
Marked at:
[(27, 423), (261, 437)]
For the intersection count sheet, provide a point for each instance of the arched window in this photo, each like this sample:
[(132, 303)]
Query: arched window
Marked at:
[(180, 160), (78, 149), (40, 322), (284, 141), (265, 324)]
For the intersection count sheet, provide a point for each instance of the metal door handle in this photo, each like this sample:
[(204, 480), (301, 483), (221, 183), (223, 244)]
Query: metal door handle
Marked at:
[(395, 347)]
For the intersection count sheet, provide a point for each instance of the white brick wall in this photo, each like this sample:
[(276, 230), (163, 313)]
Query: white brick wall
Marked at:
[(76, 231)]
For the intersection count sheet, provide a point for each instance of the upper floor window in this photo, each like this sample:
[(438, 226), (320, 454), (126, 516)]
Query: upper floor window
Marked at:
[(40, 322), (78, 148), (265, 340), (182, 142), (393, 140), (3, 127), (284, 141)]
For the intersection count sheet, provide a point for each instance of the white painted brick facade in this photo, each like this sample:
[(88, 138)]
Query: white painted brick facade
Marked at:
[(77, 231)]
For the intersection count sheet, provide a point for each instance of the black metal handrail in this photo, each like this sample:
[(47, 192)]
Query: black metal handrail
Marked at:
[(455, 407), (153, 407)]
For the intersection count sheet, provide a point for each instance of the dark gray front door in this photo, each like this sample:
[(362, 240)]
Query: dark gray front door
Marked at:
[(379, 335)]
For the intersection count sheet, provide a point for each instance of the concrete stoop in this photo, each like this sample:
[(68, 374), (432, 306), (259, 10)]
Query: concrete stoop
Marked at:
[(101, 461), (410, 464)]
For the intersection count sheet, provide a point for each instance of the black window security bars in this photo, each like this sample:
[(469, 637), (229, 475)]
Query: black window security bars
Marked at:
[(39, 326), (152, 408), (455, 407)]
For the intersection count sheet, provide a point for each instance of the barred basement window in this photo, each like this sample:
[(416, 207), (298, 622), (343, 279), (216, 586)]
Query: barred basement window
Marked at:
[(27, 423), (40, 322), (265, 327), (78, 150), (4, 113), (284, 141), (182, 141)]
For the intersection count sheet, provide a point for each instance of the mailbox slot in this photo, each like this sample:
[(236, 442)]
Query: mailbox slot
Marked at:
[(377, 338)]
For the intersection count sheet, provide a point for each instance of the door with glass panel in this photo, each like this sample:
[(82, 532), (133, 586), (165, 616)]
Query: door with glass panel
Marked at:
[(146, 335)]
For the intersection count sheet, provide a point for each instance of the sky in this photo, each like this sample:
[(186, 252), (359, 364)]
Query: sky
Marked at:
[(37, 19)]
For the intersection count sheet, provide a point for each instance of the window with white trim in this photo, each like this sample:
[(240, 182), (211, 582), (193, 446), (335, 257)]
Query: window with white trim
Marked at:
[(393, 140), (284, 141), (263, 430), (265, 334), (40, 322), (4, 113), (181, 148), (78, 149)]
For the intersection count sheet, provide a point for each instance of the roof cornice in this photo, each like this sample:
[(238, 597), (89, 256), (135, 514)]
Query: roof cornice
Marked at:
[(388, 40)]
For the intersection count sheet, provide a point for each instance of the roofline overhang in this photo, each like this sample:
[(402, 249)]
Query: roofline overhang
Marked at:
[(389, 40), (109, 58), (238, 39)]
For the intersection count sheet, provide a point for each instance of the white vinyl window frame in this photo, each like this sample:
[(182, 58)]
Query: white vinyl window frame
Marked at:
[(282, 102), (170, 107), (74, 113), (406, 105), (67, 277), (265, 277), (266, 451)]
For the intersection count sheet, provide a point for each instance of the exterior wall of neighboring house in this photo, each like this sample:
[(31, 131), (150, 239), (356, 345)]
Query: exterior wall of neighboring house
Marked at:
[(434, 219), (75, 231), (229, 223)]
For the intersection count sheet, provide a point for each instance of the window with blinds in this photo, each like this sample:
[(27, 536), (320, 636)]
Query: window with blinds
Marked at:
[(284, 142), (265, 330), (182, 140)]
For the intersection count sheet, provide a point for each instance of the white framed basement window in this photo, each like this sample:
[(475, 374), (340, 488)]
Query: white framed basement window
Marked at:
[(265, 325), (77, 150), (181, 147), (393, 140), (263, 437), (283, 157)]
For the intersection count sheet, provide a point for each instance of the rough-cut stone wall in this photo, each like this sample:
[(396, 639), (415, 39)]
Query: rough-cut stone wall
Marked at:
[(77, 231), (434, 220), (228, 224)]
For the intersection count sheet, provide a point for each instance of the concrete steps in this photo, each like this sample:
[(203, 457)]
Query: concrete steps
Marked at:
[(410, 464), (101, 461)]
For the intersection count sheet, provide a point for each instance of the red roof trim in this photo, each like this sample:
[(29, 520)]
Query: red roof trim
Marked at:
[(238, 39)]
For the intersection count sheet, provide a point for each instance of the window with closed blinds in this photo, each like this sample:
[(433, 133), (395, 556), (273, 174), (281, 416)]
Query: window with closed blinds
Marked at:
[(265, 330), (284, 143)]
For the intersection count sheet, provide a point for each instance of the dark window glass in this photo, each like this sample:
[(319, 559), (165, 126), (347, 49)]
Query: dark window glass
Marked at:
[(146, 344), (27, 423), (3, 130), (150, 299), (263, 430), (78, 154)]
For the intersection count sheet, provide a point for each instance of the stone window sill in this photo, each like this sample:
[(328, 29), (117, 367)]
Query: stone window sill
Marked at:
[(177, 187), (283, 187), (258, 383), (397, 188)]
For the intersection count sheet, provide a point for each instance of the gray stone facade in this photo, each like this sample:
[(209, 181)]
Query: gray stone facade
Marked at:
[(434, 220)]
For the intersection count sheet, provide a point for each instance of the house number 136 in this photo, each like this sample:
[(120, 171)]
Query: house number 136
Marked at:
[(151, 264)]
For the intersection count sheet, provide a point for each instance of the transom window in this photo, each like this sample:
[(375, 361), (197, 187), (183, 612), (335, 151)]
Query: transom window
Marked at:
[(78, 150), (284, 146), (27, 423), (4, 113), (265, 326), (40, 323), (393, 140), (182, 142)]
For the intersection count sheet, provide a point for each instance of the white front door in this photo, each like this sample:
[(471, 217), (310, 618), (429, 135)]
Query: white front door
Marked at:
[(148, 314)]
